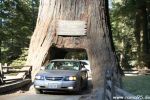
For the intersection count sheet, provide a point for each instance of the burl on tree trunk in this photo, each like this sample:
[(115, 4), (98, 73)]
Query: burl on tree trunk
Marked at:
[(96, 42)]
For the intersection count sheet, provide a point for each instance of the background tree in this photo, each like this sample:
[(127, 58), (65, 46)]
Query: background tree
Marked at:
[(16, 29), (130, 23)]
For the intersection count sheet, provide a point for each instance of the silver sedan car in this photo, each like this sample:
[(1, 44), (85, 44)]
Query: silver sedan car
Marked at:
[(62, 74)]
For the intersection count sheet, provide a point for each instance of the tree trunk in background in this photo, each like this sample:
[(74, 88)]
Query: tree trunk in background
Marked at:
[(146, 46), (142, 33), (97, 42), (138, 36)]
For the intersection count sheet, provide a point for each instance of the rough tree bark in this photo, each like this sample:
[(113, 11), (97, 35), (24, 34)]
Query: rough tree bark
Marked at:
[(97, 42)]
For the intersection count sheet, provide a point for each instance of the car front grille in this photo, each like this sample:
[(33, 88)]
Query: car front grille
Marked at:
[(54, 78)]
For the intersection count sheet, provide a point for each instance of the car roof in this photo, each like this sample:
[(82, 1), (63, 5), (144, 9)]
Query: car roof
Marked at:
[(85, 61), (65, 60)]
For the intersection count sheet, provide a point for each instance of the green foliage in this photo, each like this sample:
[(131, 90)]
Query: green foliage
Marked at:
[(129, 29), (16, 28), (123, 36), (21, 60)]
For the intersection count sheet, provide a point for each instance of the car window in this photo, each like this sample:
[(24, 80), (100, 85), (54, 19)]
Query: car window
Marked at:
[(63, 65), (84, 63), (49, 66)]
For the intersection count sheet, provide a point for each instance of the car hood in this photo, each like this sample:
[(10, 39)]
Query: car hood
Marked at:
[(58, 73)]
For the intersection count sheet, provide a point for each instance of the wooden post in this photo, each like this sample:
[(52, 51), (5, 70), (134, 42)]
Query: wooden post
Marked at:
[(104, 94), (109, 85), (113, 85), (0, 68), (29, 73), (1, 74), (5, 69)]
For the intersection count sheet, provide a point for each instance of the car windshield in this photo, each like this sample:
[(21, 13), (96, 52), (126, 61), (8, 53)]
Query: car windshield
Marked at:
[(63, 65)]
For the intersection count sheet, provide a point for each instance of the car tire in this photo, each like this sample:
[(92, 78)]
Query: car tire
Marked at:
[(86, 85), (78, 92), (38, 91), (79, 89)]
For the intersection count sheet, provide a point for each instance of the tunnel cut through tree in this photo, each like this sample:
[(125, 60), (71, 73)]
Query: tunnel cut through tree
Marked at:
[(65, 53), (97, 41)]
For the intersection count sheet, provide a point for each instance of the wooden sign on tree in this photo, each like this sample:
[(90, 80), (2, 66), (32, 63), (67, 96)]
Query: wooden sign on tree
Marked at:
[(71, 28)]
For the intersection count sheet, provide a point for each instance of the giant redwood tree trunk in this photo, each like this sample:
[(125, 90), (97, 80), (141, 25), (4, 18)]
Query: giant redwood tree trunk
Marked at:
[(97, 41)]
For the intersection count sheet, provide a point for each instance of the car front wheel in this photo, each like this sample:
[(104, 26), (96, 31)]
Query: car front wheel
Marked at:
[(38, 91), (78, 88)]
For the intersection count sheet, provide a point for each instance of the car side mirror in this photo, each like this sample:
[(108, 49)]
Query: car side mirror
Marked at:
[(42, 68), (84, 69)]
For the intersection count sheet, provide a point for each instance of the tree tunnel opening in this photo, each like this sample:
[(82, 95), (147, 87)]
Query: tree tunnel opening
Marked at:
[(67, 53)]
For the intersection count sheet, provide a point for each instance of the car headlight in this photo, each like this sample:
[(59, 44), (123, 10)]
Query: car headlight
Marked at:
[(39, 77), (71, 78)]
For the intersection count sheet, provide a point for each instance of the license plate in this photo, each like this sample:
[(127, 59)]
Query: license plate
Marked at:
[(52, 86)]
